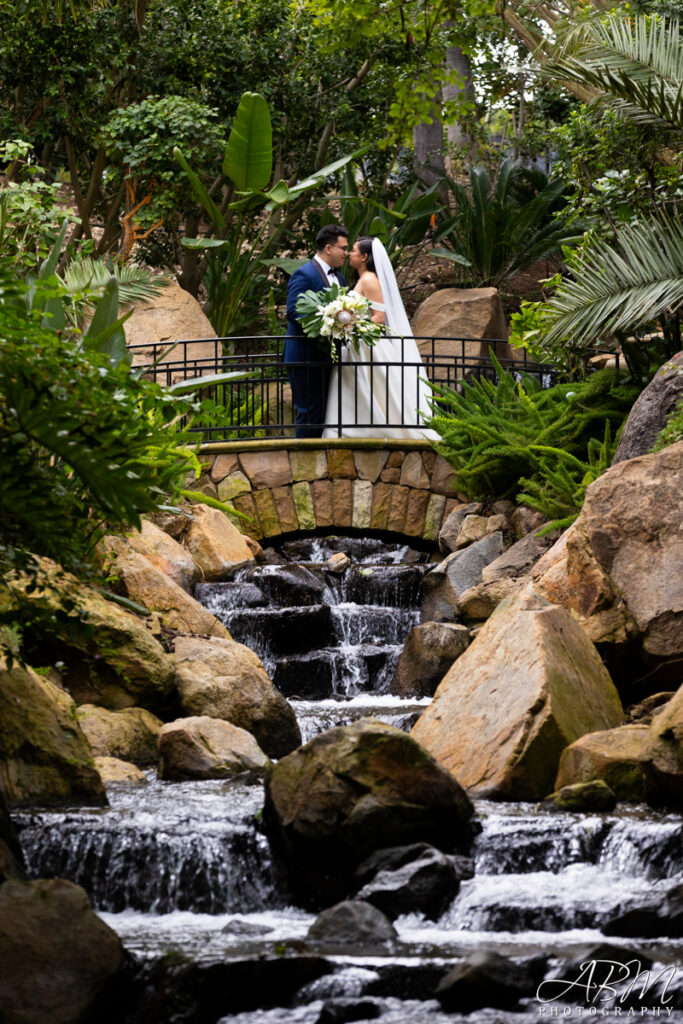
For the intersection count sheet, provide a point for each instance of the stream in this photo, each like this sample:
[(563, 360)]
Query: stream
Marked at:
[(184, 874)]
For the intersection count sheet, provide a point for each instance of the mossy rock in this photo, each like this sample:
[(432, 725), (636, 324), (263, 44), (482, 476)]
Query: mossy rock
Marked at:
[(590, 797), (44, 756), (353, 790), (112, 659)]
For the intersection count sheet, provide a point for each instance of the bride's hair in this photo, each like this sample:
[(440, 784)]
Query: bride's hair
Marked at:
[(365, 247)]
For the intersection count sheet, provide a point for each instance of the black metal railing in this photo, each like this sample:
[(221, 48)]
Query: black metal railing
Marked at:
[(260, 406)]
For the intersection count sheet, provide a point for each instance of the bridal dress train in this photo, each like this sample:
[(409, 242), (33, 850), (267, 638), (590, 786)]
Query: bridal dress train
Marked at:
[(370, 399)]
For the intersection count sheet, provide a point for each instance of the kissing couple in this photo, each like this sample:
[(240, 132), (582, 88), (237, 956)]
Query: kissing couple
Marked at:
[(377, 391)]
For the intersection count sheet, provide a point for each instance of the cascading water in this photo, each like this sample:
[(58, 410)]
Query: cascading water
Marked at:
[(185, 868)]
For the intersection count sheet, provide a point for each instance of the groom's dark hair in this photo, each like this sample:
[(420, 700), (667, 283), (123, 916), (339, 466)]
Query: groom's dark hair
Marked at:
[(328, 235)]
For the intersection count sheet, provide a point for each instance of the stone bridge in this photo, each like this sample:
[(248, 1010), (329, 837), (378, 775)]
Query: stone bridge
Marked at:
[(287, 486)]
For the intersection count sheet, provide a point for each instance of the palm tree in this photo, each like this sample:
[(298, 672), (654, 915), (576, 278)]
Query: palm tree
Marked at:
[(635, 63)]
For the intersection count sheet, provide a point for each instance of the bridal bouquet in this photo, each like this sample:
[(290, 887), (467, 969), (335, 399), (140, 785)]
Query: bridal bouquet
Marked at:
[(336, 314)]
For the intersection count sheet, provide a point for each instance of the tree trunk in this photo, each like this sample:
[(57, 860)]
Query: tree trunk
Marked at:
[(458, 61), (428, 142)]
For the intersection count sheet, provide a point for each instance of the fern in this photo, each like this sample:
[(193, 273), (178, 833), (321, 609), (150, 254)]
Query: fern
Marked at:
[(545, 447)]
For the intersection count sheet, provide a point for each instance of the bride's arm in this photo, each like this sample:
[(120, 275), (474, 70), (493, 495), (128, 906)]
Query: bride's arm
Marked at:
[(368, 285)]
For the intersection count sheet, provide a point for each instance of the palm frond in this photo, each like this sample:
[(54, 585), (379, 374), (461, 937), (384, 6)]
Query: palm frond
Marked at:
[(85, 280), (635, 62), (615, 288)]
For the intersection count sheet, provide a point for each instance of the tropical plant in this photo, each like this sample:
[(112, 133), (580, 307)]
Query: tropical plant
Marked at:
[(76, 433), (85, 279), (85, 442), (513, 437), (617, 288), (249, 220), (500, 227), (403, 224), (634, 65)]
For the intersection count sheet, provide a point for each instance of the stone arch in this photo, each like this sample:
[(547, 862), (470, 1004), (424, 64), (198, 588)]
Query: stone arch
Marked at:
[(287, 486)]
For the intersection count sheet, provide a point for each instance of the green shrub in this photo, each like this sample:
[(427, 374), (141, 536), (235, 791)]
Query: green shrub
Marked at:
[(542, 446), (82, 441)]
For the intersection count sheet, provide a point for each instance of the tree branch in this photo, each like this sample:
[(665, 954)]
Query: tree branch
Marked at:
[(328, 130)]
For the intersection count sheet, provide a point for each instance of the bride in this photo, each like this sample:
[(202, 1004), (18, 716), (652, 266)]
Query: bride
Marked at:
[(375, 399)]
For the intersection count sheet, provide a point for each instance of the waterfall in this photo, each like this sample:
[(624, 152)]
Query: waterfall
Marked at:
[(185, 868)]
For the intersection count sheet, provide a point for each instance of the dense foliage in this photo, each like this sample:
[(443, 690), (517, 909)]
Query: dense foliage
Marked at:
[(82, 441), (628, 274), (500, 227), (513, 438)]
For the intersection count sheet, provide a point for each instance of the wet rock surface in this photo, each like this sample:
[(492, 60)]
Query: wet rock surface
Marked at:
[(351, 791), (224, 679), (484, 979), (56, 955), (426, 885), (353, 923), (44, 755), (428, 653)]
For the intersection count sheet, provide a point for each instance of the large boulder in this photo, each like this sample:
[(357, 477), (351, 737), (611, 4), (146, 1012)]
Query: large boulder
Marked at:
[(426, 885), (618, 570), (112, 659), (216, 545), (130, 735), (44, 756), (582, 797), (518, 559), (207, 748), (428, 653), (663, 753), (162, 550), (152, 588), (651, 410), (156, 325), (114, 771), (475, 528), (481, 601), (530, 684), (57, 958), (484, 979), (353, 790), (614, 756), (454, 313), (224, 679)]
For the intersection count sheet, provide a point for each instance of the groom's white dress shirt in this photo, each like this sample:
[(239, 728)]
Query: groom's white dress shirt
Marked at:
[(330, 272)]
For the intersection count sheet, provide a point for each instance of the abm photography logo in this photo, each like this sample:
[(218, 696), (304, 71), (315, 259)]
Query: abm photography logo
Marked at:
[(609, 988)]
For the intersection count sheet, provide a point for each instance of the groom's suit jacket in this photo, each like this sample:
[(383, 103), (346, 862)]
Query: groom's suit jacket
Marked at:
[(298, 348)]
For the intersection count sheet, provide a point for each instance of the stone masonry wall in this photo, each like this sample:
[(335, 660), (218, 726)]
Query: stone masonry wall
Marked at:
[(407, 490)]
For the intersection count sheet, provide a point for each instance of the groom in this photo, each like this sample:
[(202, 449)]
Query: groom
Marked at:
[(309, 382)]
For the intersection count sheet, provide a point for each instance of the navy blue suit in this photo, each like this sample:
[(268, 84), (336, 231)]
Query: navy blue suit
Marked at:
[(309, 383)]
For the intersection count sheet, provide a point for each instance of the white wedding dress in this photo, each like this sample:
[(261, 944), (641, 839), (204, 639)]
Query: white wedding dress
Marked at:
[(378, 400)]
